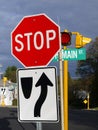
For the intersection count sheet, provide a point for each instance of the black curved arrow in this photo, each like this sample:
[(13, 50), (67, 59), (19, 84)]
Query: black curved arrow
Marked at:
[(43, 82)]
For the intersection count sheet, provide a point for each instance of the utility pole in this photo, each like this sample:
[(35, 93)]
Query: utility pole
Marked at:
[(88, 96)]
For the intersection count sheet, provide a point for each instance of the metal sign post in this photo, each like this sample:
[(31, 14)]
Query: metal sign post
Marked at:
[(64, 91), (38, 126), (65, 78), (61, 88)]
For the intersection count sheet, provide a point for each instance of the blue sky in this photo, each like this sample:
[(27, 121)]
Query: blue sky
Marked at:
[(74, 15)]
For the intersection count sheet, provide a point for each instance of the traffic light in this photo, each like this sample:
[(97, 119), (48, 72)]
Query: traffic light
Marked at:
[(81, 41), (66, 38)]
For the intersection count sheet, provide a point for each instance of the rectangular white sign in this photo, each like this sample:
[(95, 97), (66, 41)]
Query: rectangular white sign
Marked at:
[(37, 88)]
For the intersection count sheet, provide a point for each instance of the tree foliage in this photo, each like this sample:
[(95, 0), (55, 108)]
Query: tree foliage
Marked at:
[(10, 73), (88, 69)]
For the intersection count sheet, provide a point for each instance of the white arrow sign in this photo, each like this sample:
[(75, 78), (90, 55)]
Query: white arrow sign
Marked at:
[(37, 94)]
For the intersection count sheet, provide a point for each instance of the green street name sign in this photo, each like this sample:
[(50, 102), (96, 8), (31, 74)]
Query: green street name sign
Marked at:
[(72, 54)]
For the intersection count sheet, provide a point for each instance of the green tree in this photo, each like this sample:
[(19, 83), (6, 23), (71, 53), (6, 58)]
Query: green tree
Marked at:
[(88, 69), (10, 73), (74, 100)]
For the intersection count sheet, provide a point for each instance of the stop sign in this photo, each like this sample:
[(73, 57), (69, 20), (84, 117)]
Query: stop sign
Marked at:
[(35, 40)]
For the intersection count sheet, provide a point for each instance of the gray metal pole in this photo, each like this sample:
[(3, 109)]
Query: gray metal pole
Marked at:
[(38, 126), (61, 88)]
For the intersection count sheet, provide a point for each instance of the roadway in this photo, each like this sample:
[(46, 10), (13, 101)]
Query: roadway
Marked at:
[(78, 120), (83, 120)]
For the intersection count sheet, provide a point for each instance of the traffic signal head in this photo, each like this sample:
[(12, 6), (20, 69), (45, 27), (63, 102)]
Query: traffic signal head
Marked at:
[(66, 38), (81, 41)]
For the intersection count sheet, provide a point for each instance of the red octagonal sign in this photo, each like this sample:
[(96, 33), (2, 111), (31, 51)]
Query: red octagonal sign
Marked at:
[(35, 40)]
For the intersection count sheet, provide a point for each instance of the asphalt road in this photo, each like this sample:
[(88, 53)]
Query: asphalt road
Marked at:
[(9, 121), (83, 120), (78, 120)]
